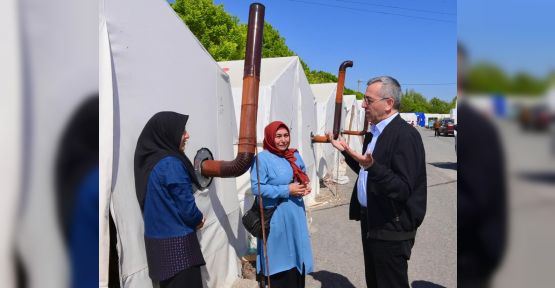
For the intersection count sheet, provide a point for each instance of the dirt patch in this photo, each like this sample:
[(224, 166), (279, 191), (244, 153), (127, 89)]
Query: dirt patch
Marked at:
[(248, 267)]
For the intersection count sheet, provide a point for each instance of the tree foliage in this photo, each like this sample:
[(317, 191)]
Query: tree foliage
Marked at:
[(488, 78), (217, 31), (413, 101), (224, 37), (273, 44)]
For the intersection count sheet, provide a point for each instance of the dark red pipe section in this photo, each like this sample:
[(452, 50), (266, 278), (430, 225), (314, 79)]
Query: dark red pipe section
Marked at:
[(249, 104), (338, 104), (357, 133)]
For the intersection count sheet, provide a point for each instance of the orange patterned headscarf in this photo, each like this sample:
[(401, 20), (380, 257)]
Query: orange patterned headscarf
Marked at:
[(289, 154)]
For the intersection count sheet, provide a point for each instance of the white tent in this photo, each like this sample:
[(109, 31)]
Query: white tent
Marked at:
[(361, 114), (48, 52), (350, 121), (409, 117), (151, 62), (324, 95), (285, 95), (12, 144), (453, 114)]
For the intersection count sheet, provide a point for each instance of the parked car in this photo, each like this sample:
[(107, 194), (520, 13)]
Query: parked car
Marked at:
[(447, 127), (534, 118)]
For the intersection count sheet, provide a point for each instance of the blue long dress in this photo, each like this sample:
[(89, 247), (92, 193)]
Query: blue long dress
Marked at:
[(289, 242)]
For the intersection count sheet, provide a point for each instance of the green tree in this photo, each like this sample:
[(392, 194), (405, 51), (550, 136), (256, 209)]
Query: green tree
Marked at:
[(487, 78), (413, 101), (523, 83), (439, 106), (273, 44), (216, 30), (224, 37)]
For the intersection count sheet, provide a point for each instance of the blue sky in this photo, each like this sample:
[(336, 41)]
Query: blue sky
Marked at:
[(326, 32), (517, 35)]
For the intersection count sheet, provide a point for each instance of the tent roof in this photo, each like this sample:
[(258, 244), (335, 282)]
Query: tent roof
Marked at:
[(271, 69), (323, 91), (349, 100)]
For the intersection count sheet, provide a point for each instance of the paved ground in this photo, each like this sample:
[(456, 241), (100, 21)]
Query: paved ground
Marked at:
[(336, 241), (531, 178), (529, 256)]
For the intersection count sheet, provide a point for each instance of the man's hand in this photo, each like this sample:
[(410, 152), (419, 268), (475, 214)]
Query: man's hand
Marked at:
[(339, 144), (201, 223), (365, 160)]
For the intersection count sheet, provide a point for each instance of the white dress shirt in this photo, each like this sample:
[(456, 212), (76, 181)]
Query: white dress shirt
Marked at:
[(376, 130)]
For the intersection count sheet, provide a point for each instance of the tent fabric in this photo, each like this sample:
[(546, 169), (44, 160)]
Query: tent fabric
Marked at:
[(408, 117), (361, 114), (105, 150), (351, 121), (158, 65), (11, 112), (326, 155), (54, 82), (284, 95)]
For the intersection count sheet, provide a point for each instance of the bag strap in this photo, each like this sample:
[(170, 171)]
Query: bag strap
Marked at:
[(279, 201)]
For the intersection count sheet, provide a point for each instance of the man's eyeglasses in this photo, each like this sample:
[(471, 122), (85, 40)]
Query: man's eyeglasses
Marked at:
[(371, 101)]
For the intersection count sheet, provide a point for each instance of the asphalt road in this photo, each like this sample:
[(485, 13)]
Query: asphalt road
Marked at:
[(336, 241), (531, 193)]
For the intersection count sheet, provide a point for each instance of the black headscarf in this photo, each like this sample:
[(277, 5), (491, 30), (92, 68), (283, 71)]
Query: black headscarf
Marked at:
[(160, 137), (77, 155)]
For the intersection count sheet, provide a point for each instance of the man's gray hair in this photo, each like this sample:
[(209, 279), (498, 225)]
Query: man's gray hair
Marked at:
[(390, 89)]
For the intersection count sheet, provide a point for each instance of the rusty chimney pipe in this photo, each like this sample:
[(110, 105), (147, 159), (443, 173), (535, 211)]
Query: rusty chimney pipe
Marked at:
[(249, 104), (338, 104), (339, 97), (358, 133)]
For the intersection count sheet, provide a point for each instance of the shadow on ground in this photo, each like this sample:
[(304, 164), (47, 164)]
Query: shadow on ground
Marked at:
[(425, 284), (445, 165), (331, 280), (547, 177)]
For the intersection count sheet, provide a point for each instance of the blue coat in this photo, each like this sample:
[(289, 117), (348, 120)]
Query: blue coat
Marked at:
[(170, 218), (289, 242), (170, 209)]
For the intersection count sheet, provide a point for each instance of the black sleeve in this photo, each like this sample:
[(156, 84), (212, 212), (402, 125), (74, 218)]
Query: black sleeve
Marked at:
[(353, 164), (408, 168)]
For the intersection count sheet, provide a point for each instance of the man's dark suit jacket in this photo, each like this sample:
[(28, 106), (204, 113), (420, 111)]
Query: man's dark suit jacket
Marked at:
[(396, 187)]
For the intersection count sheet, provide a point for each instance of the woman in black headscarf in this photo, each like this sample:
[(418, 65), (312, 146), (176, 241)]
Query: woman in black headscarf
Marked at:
[(163, 182)]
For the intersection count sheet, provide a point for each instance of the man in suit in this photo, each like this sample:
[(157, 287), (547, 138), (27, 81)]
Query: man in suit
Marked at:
[(389, 199), (481, 192)]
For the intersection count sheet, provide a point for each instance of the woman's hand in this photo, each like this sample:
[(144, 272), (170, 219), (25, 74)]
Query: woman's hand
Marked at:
[(308, 189), (298, 190), (201, 223)]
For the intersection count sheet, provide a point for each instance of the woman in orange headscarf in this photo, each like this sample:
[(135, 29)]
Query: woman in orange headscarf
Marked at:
[(283, 183)]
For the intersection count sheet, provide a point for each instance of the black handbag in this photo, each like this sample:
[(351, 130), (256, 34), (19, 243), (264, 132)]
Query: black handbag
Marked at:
[(253, 222)]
